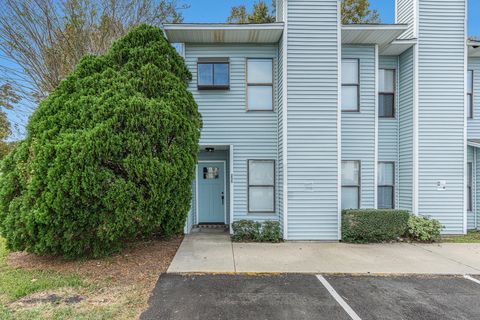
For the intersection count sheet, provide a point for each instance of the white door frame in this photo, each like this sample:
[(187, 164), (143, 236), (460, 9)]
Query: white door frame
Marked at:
[(224, 188)]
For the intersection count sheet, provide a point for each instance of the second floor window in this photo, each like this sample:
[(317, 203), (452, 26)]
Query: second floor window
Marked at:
[(213, 74), (259, 84), (386, 93), (350, 184), (350, 85), (470, 94)]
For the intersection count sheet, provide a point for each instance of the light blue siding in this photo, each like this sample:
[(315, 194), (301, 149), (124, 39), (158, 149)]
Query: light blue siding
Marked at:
[(441, 102), (405, 14), (226, 121), (474, 124), (358, 128), (405, 142), (313, 164), (388, 127)]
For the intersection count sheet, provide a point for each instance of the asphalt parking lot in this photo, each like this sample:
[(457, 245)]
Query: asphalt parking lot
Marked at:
[(306, 296)]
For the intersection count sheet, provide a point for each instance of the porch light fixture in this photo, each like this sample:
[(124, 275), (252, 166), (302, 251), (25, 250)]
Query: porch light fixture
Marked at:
[(209, 149)]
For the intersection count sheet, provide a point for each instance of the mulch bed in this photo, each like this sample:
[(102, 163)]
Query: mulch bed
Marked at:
[(140, 262)]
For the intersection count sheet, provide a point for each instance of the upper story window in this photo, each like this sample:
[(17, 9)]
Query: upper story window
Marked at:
[(259, 84), (350, 85), (470, 94), (213, 74), (386, 93)]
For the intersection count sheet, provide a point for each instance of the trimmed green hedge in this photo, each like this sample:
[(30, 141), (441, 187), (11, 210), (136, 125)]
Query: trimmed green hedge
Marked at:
[(373, 225), (248, 230), (109, 156)]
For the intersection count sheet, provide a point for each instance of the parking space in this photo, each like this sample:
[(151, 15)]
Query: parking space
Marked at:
[(306, 296), (409, 297)]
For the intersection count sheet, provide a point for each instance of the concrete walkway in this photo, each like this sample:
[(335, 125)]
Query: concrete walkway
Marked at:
[(214, 252)]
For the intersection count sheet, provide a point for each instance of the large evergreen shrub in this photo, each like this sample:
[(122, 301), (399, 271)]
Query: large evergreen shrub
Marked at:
[(109, 156)]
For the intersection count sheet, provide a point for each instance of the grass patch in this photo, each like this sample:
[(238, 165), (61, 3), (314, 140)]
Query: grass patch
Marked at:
[(115, 287), (470, 237), (17, 283)]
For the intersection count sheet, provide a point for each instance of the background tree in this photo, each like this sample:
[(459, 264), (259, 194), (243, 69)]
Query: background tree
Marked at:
[(41, 41), (109, 155), (353, 11), (7, 100), (358, 11), (261, 13)]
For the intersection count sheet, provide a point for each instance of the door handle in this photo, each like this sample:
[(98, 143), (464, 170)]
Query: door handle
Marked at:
[(223, 198)]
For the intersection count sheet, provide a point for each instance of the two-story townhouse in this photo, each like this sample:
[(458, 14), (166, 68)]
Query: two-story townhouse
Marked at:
[(305, 117)]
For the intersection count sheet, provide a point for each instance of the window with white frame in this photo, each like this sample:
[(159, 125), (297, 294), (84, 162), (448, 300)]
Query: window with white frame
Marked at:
[(261, 186), (350, 184), (469, 186), (259, 84), (386, 93), (470, 94), (350, 85), (386, 185)]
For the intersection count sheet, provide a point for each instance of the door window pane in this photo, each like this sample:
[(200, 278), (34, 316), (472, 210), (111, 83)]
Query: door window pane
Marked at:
[(210, 173), (469, 106), (261, 173), (260, 71), (350, 198), (260, 98), (350, 98), (261, 199)]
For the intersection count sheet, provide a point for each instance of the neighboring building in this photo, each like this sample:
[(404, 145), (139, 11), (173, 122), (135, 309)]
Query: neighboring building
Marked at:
[(304, 117)]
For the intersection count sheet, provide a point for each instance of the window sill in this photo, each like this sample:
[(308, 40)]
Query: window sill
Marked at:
[(213, 88)]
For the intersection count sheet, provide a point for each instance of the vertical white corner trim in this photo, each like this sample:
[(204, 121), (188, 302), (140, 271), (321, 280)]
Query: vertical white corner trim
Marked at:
[(474, 188), (231, 177), (339, 122), (397, 114), (196, 194), (465, 124), (284, 120), (415, 178), (375, 164)]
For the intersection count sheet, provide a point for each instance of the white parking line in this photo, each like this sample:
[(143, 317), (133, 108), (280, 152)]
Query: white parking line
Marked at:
[(339, 299), (466, 276)]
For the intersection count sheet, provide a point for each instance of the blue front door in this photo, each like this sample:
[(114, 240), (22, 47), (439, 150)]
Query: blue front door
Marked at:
[(211, 192)]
